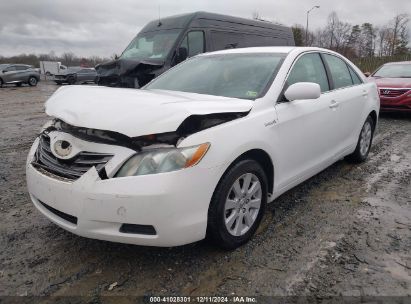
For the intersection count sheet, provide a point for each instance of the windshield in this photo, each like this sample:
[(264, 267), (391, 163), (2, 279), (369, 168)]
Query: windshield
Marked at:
[(151, 45), (73, 69), (394, 71), (231, 75)]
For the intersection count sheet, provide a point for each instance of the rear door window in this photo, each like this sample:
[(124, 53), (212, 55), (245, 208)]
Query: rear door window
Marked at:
[(309, 68), (339, 71), (21, 67), (227, 40)]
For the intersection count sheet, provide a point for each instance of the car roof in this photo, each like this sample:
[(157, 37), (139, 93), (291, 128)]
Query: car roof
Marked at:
[(18, 64), (183, 20), (267, 49), (398, 62)]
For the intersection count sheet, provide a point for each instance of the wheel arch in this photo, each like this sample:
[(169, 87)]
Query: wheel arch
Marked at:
[(374, 116), (261, 157)]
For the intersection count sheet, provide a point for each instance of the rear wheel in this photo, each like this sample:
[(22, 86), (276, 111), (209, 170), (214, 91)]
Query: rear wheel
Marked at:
[(32, 81), (238, 205), (1, 82), (364, 142), (18, 84)]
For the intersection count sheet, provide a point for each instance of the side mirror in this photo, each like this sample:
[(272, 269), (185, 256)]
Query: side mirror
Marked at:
[(367, 74), (303, 90), (181, 55)]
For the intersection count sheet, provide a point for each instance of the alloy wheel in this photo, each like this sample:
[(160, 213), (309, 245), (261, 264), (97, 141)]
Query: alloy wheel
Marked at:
[(242, 204), (365, 138)]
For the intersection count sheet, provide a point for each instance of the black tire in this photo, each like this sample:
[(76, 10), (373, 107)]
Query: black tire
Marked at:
[(217, 231), (71, 80), (1, 82), (360, 154), (58, 82), (18, 84), (96, 80), (32, 81)]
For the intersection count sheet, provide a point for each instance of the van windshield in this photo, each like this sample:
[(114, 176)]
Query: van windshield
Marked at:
[(151, 45), (236, 75)]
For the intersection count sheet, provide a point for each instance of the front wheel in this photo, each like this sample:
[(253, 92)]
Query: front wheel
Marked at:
[(32, 81), (71, 80), (364, 142), (238, 205)]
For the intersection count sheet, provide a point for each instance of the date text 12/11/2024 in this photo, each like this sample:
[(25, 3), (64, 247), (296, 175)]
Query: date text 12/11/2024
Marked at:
[(203, 299)]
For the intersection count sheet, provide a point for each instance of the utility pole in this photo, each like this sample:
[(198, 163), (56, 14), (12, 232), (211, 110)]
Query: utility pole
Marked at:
[(306, 28)]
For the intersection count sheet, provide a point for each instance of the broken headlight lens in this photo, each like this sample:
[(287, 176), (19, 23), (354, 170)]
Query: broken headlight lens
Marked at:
[(162, 160)]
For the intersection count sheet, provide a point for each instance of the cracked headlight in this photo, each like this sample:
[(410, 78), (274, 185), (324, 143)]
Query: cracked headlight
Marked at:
[(162, 160)]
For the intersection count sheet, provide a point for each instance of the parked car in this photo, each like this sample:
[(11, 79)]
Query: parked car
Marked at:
[(18, 74), (201, 149), (394, 83), (162, 44), (74, 75)]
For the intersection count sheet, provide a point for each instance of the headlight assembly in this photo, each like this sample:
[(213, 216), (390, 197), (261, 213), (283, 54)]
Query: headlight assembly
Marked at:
[(162, 160)]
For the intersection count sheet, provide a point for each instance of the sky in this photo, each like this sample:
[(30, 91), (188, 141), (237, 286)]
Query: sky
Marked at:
[(105, 27)]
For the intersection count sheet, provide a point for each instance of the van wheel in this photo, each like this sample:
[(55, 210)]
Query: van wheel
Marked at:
[(32, 81), (18, 84), (364, 142), (238, 205), (1, 82)]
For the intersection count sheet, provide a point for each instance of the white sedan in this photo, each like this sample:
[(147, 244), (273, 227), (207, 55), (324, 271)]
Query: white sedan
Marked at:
[(200, 150)]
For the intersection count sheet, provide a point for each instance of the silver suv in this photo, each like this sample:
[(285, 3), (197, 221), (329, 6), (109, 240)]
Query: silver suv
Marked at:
[(18, 74)]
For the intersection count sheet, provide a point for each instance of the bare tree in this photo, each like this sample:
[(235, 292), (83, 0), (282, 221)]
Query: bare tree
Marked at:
[(399, 33), (68, 58)]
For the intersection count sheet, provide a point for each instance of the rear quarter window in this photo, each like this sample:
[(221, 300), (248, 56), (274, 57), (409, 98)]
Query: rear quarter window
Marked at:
[(354, 76)]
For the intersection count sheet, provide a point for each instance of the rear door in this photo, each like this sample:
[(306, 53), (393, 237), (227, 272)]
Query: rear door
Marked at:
[(349, 96), (305, 127), (83, 75), (22, 73), (9, 74)]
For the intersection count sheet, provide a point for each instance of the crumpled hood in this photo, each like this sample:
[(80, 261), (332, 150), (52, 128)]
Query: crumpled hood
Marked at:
[(122, 66), (123, 72), (135, 112), (400, 83)]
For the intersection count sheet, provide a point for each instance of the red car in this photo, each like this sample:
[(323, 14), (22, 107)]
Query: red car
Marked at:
[(394, 83)]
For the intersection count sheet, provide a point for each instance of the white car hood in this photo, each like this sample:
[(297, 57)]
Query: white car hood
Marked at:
[(135, 112)]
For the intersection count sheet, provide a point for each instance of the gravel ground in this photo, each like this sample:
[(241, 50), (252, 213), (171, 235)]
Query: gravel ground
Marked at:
[(346, 231)]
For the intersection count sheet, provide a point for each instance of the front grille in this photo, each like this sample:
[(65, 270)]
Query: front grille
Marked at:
[(69, 218), (393, 92), (72, 168)]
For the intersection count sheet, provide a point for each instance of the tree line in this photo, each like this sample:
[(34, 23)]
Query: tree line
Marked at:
[(359, 40), (67, 59)]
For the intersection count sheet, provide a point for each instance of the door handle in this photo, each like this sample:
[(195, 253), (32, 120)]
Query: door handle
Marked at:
[(364, 93), (334, 104)]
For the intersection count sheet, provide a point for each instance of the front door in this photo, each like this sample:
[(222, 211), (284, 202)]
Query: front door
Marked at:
[(305, 128)]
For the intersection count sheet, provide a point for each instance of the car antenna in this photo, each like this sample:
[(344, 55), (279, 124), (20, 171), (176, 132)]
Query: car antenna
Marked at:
[(159, 19)]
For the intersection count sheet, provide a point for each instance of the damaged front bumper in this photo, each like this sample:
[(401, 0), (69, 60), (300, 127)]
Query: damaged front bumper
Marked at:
[(165, 209)]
